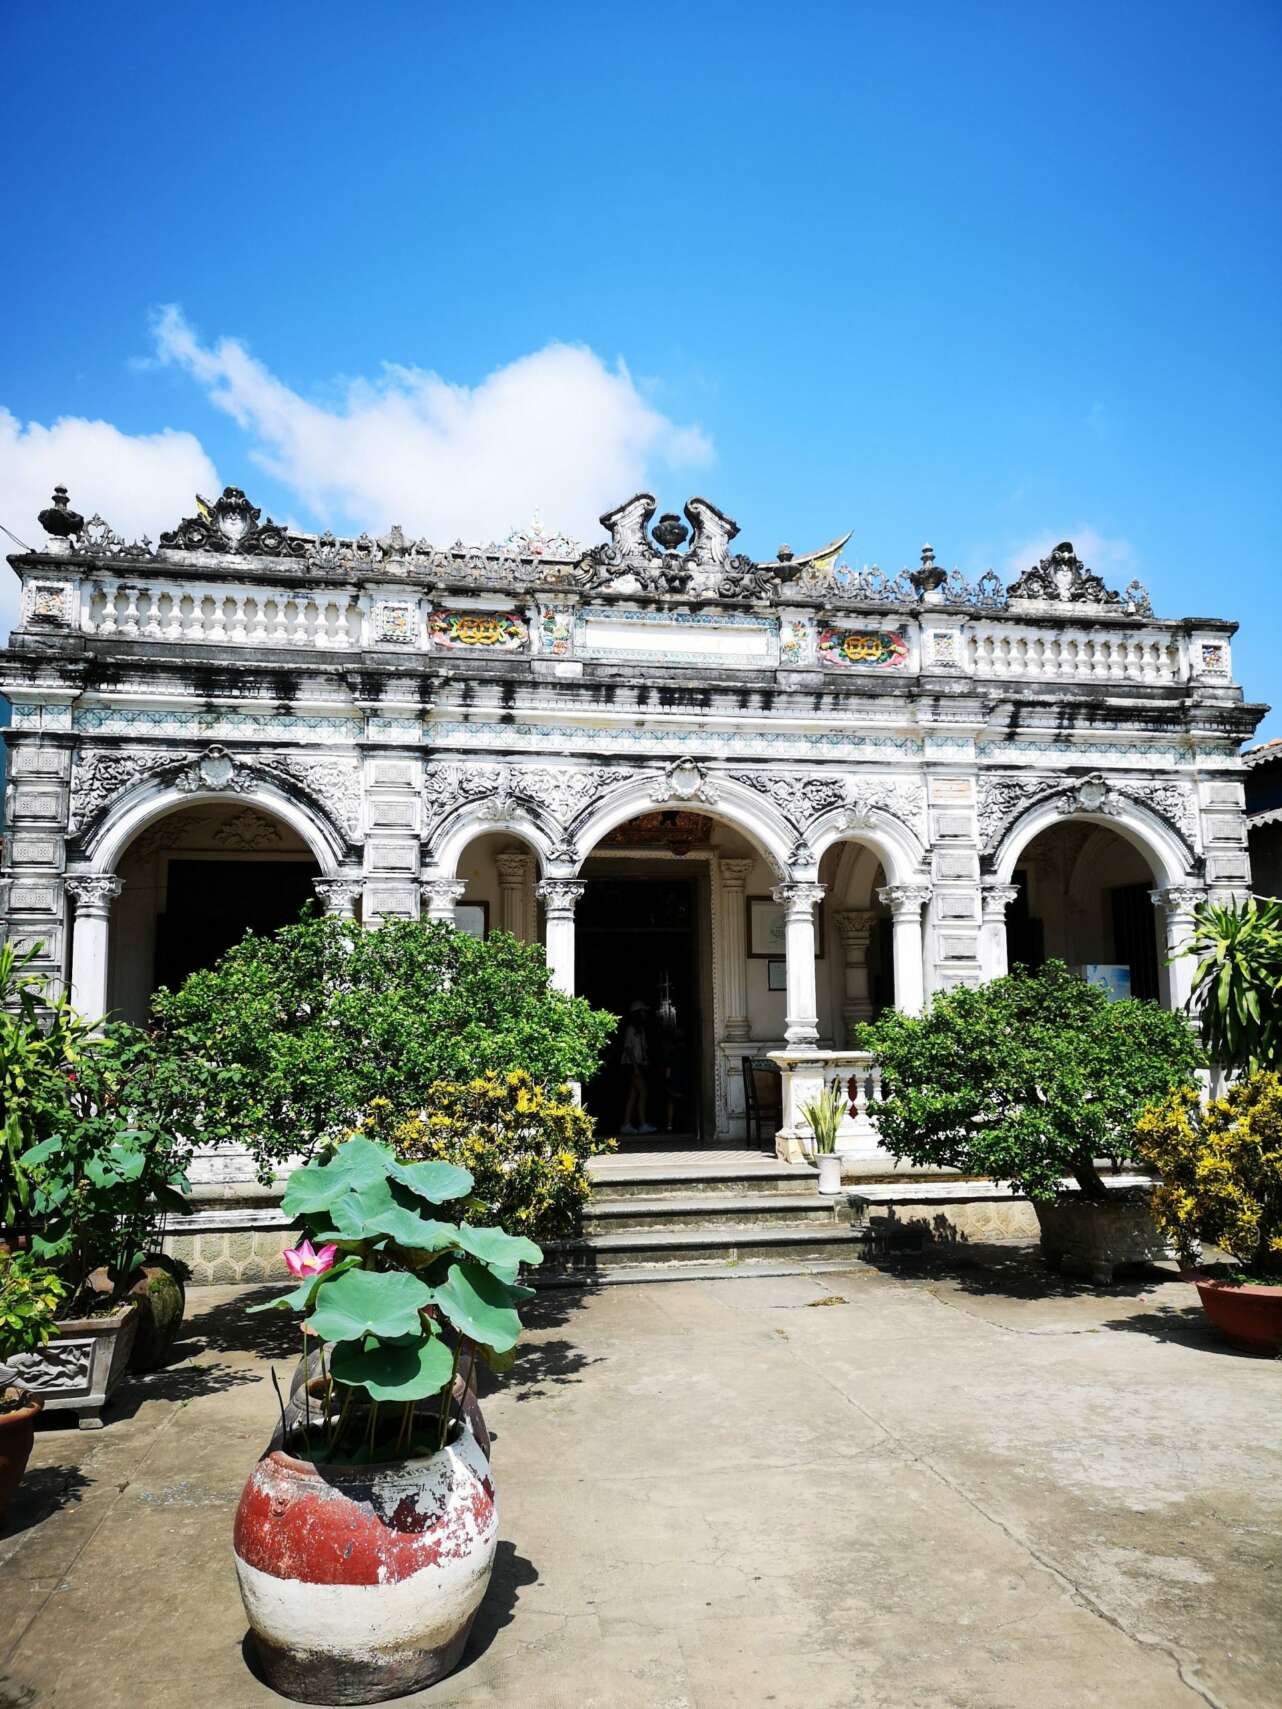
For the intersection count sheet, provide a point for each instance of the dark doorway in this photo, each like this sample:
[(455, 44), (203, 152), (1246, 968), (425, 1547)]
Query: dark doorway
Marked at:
[(211, 904), (1134, 937), (636, 942)]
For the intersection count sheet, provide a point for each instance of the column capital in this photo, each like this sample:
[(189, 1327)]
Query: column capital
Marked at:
[(856, 923), (338, 895), (734, 872), (559, 896), (996, 898), (93, 896), (512, 865), (441, 894), (798, 898), (905, 901), (1178, 898)]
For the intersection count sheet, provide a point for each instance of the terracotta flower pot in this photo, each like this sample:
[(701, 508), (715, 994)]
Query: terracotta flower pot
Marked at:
[(17, 1432), (361, 1582), (1248, 1314)]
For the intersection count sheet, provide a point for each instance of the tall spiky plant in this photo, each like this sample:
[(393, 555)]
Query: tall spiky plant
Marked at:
[(1237, 985)]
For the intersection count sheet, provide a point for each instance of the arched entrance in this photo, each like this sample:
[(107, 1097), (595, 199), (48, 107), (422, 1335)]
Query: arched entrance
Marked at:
[(172, 878), (192, 884)]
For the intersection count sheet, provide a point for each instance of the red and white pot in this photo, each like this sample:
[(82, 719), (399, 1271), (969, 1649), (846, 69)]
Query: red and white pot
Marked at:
[(361, 1582)]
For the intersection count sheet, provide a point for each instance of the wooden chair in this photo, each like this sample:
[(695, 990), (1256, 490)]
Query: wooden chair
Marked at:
[(762, 1099)]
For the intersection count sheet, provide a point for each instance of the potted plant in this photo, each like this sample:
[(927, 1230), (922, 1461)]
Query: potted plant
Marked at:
[(30, 1296), (1221, 1166), (97, 1188), (1237, 984), (823, 1115), (364, 1541), (1029, 1079)]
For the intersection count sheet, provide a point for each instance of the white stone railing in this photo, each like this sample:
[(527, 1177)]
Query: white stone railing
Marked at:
[(1004, 649), (805, 1074), (222, 616)]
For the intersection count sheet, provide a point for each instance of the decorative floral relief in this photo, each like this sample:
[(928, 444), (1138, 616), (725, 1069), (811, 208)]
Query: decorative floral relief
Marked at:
[(472, 631), (63, 1364), (1003, 799), (803, 799), (248, 831), (862, 649)]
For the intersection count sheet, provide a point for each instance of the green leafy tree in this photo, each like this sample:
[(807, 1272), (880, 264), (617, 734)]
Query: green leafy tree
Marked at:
[(1237, 985), (1026, 1079), (291, 1037)]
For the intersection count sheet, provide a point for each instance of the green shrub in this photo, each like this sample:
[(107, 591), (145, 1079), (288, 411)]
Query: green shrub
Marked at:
[(525, 1147), (294, 1035), (1026, 1079), (1221, 1168)]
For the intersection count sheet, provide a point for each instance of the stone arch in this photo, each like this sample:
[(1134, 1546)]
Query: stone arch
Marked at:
[(900, 851), (477, 819), (106, 841), (1167, 854), (717, 796)]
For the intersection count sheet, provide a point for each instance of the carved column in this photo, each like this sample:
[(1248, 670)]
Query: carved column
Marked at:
[(90, 944), (733, 971), (856, 927), (514, 873), (338, 896), (438, 896), (1177, 904), (560, 897), (906, 902), (994, 900), (799, 900)]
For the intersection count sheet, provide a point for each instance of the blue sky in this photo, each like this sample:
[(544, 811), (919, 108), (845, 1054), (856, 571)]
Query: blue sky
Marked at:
[(987, 275)]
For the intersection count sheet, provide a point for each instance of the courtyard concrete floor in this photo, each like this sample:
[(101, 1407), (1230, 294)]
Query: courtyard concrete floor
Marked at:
[(950, 1483)]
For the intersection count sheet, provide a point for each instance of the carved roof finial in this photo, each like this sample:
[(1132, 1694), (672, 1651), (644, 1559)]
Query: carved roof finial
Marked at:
[(669, 531), (60, 520)]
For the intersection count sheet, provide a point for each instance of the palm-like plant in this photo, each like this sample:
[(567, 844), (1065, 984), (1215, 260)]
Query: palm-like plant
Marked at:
[(1237, 986)]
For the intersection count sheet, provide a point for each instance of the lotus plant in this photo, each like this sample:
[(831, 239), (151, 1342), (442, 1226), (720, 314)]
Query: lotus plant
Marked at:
[(399, 1297)]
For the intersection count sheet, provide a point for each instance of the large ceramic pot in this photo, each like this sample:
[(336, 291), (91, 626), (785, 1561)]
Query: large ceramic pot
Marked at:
[(162, 1300), (17, 1433), (1247, 1314), (84, 1360), (361, 1582), (1096, 1237)]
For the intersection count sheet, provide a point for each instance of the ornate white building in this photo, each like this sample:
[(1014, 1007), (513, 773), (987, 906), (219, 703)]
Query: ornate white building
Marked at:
[(761, 798)]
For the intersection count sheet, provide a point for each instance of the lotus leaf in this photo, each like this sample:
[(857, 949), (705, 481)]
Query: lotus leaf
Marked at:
[(366, 1302), (479, 1304), (405, 1370)]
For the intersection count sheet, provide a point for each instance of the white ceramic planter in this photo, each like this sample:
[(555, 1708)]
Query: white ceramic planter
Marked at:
[(829, 1173)]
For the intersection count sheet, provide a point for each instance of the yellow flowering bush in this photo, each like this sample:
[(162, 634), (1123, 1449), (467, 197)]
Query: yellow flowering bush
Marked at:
[(1221, 1168), (525, 1146)]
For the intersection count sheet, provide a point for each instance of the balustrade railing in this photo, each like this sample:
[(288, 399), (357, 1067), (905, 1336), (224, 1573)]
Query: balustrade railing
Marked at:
[(263, 617), (805, 1073), (1006, 650)]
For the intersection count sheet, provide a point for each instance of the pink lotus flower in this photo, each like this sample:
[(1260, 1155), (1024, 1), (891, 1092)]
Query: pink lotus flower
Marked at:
[(302, 1260)]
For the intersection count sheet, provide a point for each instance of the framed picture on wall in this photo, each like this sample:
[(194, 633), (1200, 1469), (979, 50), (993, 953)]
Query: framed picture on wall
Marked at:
[(472, 918), (776, 974), (766, 936)]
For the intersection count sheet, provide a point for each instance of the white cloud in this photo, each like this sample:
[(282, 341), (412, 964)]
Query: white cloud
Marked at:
[(558, 431), (140, 482), (1110, 556)]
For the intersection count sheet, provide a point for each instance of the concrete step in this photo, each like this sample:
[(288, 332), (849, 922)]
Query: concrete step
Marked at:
[(705, 1270), (617, 1180), (717, 1243), (720, 1209)]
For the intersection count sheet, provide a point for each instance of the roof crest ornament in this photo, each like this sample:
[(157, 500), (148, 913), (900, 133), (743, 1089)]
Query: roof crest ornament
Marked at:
[(230, 524), (1062, 578)]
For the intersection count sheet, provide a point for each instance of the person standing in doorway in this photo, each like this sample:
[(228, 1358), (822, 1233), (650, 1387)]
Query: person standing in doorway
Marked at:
[(634, 1060)]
